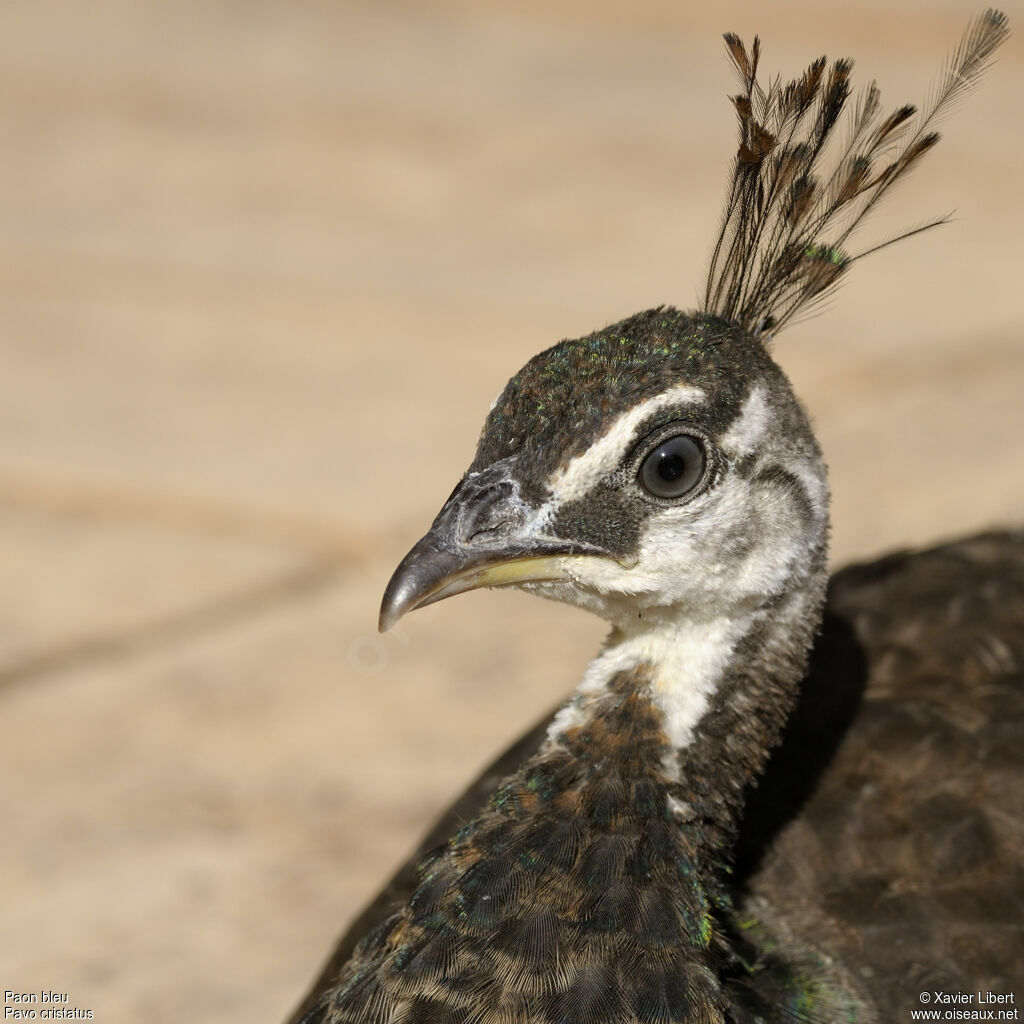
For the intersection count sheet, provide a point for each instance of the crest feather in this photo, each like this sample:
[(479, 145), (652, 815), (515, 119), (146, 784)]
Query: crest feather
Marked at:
[(791, 211)]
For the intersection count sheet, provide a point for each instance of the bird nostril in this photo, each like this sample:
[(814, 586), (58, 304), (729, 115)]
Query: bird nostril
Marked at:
[(493, 512), (492, 521)]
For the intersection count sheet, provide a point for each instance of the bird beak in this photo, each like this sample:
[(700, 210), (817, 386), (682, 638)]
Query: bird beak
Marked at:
[(483, 537)]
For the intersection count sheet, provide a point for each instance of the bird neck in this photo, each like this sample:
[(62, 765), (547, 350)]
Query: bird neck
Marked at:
[(722, 685), (594, 885)]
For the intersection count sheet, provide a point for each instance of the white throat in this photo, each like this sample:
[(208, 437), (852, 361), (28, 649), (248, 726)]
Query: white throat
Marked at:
[(686, 660)]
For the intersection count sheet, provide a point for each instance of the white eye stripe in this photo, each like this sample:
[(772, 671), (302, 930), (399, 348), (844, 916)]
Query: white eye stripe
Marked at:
[(749, 427), (577, 478)]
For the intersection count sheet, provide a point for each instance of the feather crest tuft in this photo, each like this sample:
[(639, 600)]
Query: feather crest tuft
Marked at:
[(769, 261)]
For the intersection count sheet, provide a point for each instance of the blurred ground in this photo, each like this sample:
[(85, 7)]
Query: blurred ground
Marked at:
[(263, 266)]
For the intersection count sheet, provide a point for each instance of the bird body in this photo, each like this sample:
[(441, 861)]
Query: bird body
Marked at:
[(662, 474), (594, 886), (885, 832)]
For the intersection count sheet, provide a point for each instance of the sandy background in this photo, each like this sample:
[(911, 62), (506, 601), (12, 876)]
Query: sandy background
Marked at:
[(263, 266)]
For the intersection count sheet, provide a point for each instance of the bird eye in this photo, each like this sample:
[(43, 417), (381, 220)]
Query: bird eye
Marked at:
[(673, 468)]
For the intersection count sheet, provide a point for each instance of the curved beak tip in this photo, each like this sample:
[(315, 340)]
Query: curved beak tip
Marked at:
[(416, 581), (388, 617), (399, 597)]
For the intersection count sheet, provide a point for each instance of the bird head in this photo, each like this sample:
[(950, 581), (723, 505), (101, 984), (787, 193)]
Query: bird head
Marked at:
[(661, 466)]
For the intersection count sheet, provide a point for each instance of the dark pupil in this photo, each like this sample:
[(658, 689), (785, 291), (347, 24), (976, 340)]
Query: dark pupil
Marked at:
[(674, 468), (671, 466)]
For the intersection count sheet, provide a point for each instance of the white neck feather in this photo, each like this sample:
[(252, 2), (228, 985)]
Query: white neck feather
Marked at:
[(686, 660)]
